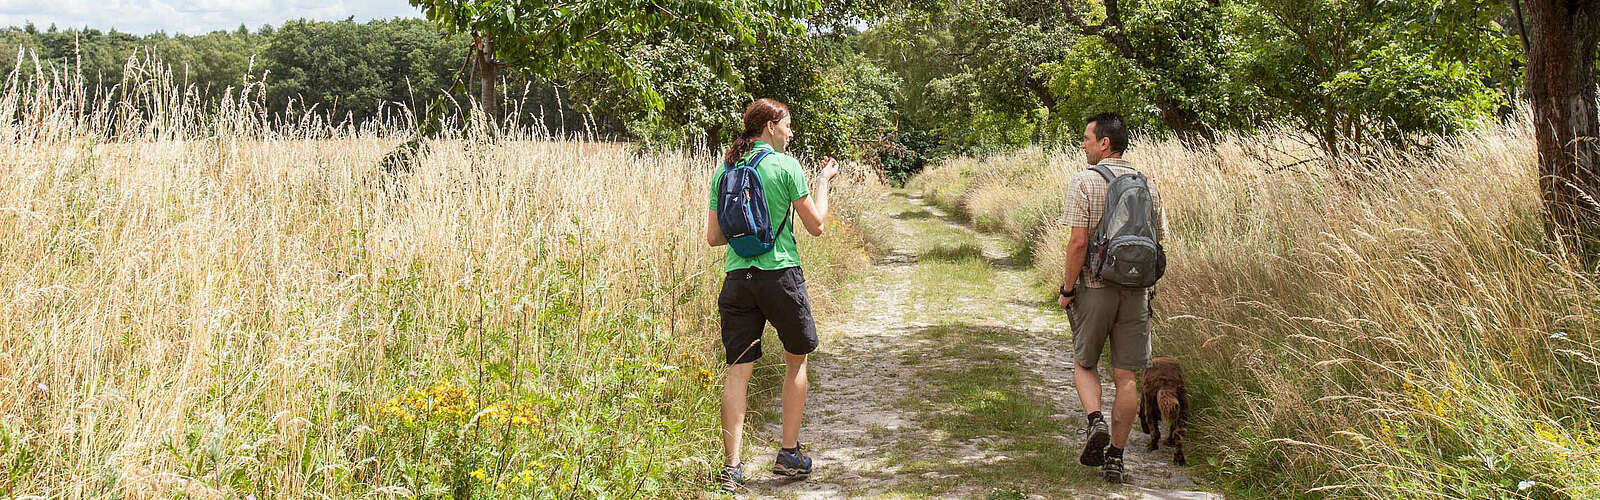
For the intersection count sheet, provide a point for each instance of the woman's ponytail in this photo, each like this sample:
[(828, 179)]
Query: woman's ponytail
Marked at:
[(756, 117), (737, 151)]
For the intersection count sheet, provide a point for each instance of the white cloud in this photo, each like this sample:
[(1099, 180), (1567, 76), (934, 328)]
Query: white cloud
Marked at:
[(191, 16)]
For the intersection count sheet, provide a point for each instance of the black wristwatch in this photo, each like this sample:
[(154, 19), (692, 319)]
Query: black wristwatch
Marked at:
[(1067, 293)]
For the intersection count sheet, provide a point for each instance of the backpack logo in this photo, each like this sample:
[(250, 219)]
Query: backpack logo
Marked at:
[(742, 210), (1124, 250)]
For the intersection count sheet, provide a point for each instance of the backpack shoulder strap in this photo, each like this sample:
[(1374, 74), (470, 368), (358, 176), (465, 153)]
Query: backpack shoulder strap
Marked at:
[(1100, 229), (756, 160), (1105, 172), (788, 212)]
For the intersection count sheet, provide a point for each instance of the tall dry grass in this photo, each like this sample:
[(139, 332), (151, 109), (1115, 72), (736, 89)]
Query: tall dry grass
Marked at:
[(201, 300), (1403, 335)]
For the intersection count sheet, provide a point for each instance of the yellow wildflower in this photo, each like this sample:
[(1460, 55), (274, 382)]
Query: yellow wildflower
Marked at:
[(1550, 435), (1588, 437), (1388, 432), (1426, 401), (479, 474)]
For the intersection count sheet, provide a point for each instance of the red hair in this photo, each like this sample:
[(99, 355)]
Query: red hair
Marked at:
[(756, 118)]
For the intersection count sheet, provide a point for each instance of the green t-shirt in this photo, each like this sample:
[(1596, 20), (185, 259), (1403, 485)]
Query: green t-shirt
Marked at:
[(782, 182)]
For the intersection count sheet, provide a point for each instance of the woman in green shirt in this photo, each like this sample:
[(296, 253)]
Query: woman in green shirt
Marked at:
[(768, 287)]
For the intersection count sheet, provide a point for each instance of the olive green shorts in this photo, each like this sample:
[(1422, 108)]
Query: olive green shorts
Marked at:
[(1118, 315)]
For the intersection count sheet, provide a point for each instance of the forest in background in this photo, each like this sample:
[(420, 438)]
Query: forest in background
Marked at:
[(340, 70), (894, 83)]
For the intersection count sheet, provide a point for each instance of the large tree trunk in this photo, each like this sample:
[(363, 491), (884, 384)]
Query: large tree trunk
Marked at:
[(1183, 122), (488, 75), (1561, 89), (713, 138), (1040, 90)]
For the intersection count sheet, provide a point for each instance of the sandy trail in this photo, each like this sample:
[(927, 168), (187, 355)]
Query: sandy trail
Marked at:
[(863, 424)]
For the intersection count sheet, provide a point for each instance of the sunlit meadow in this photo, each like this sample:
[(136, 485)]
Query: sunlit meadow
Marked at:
[(1390, 327), (202, 300)]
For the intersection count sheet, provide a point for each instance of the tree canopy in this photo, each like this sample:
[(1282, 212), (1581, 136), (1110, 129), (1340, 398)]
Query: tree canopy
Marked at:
[(895, 83)]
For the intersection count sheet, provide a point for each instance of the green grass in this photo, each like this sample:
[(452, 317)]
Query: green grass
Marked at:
[(952, 252), (975, 390), (947, 282), (950, 259), (917, 214)]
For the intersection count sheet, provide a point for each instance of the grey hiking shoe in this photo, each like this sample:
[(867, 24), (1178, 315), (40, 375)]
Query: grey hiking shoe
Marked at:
[(1094, 449), (730, 478), (1112, 469)]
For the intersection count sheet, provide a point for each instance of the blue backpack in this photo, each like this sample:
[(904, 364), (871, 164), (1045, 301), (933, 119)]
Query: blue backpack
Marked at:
[(742, 210)]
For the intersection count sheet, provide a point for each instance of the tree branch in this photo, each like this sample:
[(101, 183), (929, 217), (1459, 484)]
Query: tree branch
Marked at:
[(1040, 90), (1522, 27), (1072, 15)]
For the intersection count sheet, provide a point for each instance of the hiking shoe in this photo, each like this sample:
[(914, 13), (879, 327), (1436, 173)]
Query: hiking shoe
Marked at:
[(731, 477), (1094, 450), (792, 463), (1112, 469)]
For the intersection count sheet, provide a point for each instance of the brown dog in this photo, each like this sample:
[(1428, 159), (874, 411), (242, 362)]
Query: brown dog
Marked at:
[(1162, 396)]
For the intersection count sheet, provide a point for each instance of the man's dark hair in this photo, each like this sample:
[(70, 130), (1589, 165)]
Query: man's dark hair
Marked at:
[(1109, 125)]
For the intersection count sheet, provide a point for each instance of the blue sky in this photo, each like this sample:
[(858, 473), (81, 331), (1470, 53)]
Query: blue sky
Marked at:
[(191, 16)]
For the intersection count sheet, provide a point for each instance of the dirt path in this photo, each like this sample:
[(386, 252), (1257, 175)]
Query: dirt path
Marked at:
[(949, 377)]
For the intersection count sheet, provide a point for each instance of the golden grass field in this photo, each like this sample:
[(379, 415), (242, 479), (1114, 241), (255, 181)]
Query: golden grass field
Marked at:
[(203, 301), (203, 305), (1403, 332)]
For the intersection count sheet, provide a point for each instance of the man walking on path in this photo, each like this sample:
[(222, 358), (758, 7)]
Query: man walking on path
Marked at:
[(1104, 312)]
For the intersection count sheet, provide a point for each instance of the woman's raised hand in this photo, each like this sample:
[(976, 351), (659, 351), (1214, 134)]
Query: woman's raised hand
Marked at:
[(830, 167)]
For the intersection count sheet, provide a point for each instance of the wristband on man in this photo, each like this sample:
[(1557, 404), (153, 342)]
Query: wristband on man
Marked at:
[(1067, 293)]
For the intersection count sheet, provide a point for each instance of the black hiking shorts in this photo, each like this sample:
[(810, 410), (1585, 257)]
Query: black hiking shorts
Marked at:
[(753, 297)]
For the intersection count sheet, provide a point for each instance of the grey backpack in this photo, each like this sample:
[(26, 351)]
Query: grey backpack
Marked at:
[(1124, 251)]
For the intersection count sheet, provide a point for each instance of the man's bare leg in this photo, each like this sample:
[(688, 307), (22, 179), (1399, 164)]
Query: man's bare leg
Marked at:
[(1095, 432), (1088, 383), (1124, 406)]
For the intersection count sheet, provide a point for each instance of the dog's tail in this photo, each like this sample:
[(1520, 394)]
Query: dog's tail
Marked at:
[(1167, 400)]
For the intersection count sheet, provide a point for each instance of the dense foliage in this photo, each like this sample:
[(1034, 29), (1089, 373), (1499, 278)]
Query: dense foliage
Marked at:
[(1339, 71), (893, 83), (334, 70)]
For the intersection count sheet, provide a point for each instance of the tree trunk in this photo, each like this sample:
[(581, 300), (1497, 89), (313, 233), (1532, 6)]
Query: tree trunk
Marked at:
[(1046, 97), (488, 75), (1562, 36), (1330, 131), (1183, 122), (713, 138)]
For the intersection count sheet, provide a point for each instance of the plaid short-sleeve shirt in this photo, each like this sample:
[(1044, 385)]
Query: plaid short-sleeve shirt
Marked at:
[(1086, 202)]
